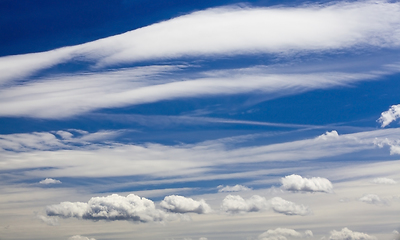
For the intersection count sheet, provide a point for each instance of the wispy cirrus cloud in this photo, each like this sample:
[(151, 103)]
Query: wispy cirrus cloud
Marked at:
[(232, 30)]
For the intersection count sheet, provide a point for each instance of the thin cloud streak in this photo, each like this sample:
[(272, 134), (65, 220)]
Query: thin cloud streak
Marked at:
[(231, 31), (66, 96)]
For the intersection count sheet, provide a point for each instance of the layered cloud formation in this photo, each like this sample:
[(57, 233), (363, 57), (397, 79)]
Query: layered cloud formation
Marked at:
[(236, 204), (298, 183), (219, 31)]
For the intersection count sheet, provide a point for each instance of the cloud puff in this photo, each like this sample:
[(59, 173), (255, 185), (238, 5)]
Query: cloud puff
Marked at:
[(384, 181), (79, 237), (112, 207), (236, 204), (180, 204), (284, 234), (297, 183), (236, 188), (390, 115), (372, 199), (347, 234), (329, 135), (50, 181)]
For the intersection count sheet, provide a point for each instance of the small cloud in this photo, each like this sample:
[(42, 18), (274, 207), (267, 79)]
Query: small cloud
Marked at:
[(372, 199), (50, 181), (283, 206), (236, 188), (297, 183), (347, 234), (328, 135), (384, 181), (79, 237), (284, 234), (111, 208), (52, 221), (180, 204), (390, 115), (236, 204)]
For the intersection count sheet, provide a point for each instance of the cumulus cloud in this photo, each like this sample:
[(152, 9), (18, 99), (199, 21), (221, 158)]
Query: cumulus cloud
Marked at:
[(297, 183), (390, 115), (373, 199), (329, 135), (180, 204), (347, 234), (112, 207), (384, 181), (50, 181), (236, 188), (284, 234), (236, 204), (79, 237)]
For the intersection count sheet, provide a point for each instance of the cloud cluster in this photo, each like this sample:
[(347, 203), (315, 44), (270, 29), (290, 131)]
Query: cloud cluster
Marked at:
[(390, 115), (384, 181), (180, 204), (112, 207), (347, 234), (50, 181), (297, 183), (284, 234), (236, 188), (236, 204)]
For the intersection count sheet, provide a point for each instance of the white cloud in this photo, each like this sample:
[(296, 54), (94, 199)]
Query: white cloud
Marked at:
[(236, 204), (79, 237), (180, 204), (347, 234), (236, 188), (232, 30), (384, 181), (373, 199), (112, 207), (329, 135), (297, 183), (390, 115), (50, 181), (284, 234)]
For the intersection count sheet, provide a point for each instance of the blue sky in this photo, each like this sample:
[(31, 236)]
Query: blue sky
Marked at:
[(199, 120)]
